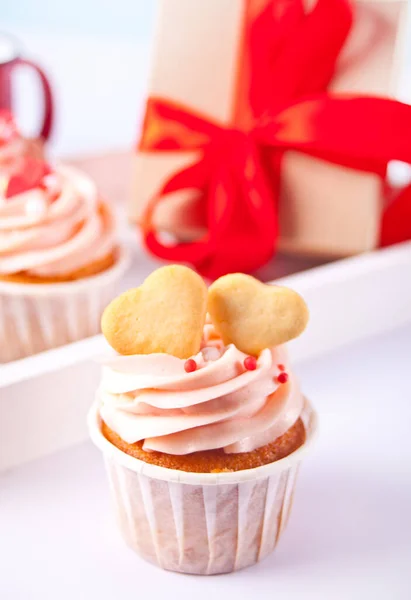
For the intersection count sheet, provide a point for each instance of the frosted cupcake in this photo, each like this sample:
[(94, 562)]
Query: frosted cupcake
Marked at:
[(202, 448), (60, 260)]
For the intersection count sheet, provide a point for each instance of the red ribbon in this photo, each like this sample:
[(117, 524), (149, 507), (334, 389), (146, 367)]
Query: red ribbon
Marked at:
[(292, 59)]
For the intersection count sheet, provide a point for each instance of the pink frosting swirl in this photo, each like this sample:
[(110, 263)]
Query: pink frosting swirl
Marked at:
[(220, 405), (55, 229)]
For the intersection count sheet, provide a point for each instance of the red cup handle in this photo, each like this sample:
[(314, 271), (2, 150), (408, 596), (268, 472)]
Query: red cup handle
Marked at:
[(48, 114)]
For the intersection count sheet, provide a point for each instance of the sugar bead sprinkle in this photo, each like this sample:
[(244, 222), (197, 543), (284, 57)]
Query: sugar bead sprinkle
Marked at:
[(250, 363), (282, 377), (190, 365)]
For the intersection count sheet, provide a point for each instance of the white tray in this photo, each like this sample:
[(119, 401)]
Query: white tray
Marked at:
[(44, 398), (349, 533)]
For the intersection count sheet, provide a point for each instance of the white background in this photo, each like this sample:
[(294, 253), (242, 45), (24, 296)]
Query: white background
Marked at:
[(96, 53)]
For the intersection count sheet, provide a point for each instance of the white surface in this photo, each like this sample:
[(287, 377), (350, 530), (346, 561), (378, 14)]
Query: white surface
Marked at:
[(348, 537), (348, 300)]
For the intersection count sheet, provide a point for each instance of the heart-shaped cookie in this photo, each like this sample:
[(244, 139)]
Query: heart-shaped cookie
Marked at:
[(254, 316), (165, 314)]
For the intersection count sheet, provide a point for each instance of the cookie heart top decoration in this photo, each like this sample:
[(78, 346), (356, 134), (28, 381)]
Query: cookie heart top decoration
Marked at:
[(165, 314), (254, 316)]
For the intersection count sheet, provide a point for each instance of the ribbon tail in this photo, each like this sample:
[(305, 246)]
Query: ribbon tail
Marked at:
[(242, 215)]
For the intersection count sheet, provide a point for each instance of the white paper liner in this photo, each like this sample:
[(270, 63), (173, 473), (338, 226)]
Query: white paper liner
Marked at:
[(201, 523), (37, 317)]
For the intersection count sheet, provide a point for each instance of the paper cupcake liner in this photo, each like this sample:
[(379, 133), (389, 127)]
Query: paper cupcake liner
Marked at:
[(201, 523), (37, 317)]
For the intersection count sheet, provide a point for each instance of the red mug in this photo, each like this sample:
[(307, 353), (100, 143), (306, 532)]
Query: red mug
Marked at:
[(10, 59)]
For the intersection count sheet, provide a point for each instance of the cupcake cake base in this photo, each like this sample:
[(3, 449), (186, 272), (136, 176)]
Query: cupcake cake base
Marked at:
[(214, 461), (94, 268)]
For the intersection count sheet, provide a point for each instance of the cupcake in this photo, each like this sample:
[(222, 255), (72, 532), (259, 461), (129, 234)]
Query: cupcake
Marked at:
[(201, 419), (59, 257)]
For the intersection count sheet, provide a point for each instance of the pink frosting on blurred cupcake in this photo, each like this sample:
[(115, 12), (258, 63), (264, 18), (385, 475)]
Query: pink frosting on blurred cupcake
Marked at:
[(55, 227)]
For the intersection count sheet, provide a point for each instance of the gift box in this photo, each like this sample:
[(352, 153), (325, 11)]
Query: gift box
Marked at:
[(235, 90)]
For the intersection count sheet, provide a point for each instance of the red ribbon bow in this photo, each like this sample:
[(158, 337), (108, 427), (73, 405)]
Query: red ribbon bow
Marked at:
[(292, 60)]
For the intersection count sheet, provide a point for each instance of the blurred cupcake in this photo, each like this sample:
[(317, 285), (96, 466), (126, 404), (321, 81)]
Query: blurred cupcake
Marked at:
[(202, 453), (60, 260)]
